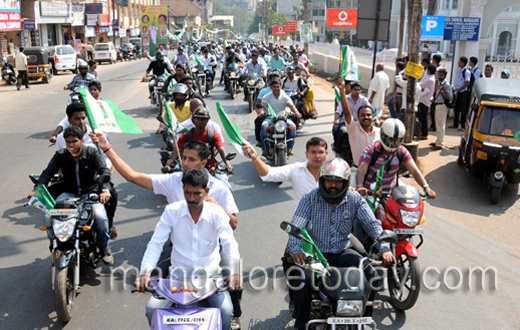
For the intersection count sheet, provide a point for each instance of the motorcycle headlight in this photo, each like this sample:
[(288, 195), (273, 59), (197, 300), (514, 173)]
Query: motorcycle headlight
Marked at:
[(251, 82), (63, 230), (160, 84), (194, 69), (349, 307), (233, 74), (410, 218), (280, 126)]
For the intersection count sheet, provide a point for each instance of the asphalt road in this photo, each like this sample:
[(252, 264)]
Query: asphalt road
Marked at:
[(27, 119)]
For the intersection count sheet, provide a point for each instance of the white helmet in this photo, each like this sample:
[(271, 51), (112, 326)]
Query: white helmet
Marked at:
[(392, 134)]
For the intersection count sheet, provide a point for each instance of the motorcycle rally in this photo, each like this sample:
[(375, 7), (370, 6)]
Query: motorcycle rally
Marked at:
[(198, 174)]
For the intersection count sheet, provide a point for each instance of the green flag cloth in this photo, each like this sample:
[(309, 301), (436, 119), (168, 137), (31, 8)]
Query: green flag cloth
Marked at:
[(199, 62), (376, 189), (336, 92), (172, 122), (231, 129), (105, 116), (349, 65), (308, 248), (272, 114), (42, 199)]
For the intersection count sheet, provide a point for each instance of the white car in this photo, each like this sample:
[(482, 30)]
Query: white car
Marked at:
[(105, 52), (64, 58), (387, 55), (442, 54)]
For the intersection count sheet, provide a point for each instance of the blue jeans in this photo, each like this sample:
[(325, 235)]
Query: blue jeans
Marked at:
[(100, 220), (290, 135), (221, 301), (338, 133), (391, 107), (211, 73)]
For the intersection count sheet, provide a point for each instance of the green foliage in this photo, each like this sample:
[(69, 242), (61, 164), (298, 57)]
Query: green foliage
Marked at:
[(242, 19), (276, 19)]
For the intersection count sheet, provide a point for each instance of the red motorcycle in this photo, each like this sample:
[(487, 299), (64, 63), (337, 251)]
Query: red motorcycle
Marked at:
[(401, 210)]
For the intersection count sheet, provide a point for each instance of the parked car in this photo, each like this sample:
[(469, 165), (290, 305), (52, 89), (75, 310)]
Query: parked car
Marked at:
[(105, 52), (63, 58)]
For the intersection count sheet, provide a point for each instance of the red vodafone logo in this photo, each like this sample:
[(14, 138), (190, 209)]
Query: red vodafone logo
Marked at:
[(342, 18), (343, 15), (279, 31)]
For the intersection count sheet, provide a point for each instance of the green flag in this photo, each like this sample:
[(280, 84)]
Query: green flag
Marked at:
[(349, 65), (231, 129), (42, 199), (338, 97), (172, 122), (272, 114), (376, 188), (308, 248), (199, 62), (105, 116)]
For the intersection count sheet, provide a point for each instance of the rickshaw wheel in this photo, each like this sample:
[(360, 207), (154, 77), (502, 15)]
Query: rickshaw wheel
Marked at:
[(460, 159), (495, 195)]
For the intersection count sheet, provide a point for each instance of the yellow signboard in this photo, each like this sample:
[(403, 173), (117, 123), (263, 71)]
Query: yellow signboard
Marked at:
[(414, 70)]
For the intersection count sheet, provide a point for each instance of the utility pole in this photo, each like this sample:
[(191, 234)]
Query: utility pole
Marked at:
[(306, 19), (113, 18), (402, 18), (430, 11), (415, 9)]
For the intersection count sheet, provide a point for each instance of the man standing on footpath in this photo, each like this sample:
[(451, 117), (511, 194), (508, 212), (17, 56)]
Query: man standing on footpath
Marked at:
[(461, 89), (444, 93), (377, 90), (427, 88), (21, 66)]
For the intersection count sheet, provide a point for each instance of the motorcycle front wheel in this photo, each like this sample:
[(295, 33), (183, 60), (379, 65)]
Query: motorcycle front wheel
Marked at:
[(232, 90), (160, 101), (202, 88), (405, 295), (8, 81), (64, 294), (281, 154)]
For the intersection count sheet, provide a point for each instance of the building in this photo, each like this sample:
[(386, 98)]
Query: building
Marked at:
[(179, 11), (319, 18)]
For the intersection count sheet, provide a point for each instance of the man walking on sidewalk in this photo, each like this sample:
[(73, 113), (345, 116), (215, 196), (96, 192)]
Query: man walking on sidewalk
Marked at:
[(461, 89), (21, 66)]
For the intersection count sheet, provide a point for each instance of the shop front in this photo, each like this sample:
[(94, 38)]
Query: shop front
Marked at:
[(54, 23), (10, 27), (78, 22)]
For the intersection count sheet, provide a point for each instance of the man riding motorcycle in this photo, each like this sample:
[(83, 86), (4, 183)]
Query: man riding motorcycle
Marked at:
[(181, 56), (209, 62), (180, 105), (328, 213), (293, 82), (158, 67), (82, 79), (251, 66), (231, 57)]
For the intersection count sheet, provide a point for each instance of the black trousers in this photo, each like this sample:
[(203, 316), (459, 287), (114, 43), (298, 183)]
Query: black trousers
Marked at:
[(461, 109), (423, 118), (432, 116), (302, 297), (258, 127), (22, 79)]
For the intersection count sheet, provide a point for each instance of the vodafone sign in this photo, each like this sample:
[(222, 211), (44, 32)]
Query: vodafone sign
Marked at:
[(342, 18), (279, 31)]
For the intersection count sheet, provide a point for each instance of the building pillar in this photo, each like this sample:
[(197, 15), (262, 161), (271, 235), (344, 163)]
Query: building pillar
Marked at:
[(517, 46), (494, 44), (476, 10)]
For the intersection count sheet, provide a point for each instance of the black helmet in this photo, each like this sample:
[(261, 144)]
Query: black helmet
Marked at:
[(201, 112), (338, 170), (180, 89), (290, 68), (159, 55), (231, 53), (181, 47)]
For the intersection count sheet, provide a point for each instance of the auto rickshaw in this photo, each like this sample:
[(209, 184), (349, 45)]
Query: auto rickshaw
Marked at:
[(38, 64), (490, 145)]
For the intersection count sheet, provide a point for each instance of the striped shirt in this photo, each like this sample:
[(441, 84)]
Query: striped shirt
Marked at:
[(330, 227), (391, 164)]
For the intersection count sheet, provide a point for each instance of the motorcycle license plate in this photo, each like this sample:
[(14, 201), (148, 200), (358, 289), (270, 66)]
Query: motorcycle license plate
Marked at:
[(278, 136), (181, 319), (408, 231), (349, 320), (62, 212)]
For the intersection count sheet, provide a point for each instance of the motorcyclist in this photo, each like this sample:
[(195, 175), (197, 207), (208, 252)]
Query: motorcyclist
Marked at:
[(279, 102), (330, 210), (82, 79), (232, 57), (253, 65), (181, 104), (302, 55), (180, 71), (181, 56), (193, 89), (293, 82), (158, 67), (209, 63), (81, 183)]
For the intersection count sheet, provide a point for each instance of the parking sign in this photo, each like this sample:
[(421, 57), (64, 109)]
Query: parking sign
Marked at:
[(432, 28)]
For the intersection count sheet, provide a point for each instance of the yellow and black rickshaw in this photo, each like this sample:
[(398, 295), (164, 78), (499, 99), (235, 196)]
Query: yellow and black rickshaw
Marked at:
[(38, 64), (490, 146)]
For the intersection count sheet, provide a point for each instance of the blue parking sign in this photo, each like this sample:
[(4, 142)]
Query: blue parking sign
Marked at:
[(432, 28)]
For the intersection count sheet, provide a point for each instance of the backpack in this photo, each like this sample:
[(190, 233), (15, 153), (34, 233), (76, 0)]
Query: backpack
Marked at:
[(211, 137), (448, 103), (375, 157)]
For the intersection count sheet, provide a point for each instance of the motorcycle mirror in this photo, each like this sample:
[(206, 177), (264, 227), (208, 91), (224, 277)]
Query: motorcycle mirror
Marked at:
[(103, 179), (292, 230), (389, 237), (231, 156), (161, 119)]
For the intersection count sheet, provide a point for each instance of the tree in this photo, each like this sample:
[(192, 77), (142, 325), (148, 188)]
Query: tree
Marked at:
[(276, 19)]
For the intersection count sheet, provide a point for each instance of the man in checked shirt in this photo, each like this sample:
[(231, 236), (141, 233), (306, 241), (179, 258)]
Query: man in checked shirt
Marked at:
[(328, 213)]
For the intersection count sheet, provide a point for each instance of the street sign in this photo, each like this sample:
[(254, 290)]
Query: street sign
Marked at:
[(29, 24), (279, 31), (291, 26), (342, 18), (367, 17), (462, 28), (414, 70), (432, 28)]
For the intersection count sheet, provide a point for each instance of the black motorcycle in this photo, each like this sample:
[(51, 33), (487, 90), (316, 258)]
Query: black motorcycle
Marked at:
[(277, 139), (156, 97), (169, 152), (8, 72), (201, 77), (298, 103), (254, 83), (74, 247), (342, 293), (231, 79)]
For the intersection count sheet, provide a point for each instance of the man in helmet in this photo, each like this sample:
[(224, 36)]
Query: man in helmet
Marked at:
[(254, 65), (302, 55), (390, 152), (82, 79), (293, 82), (158, 67), (328, 213), (180, 105), (231, 58)]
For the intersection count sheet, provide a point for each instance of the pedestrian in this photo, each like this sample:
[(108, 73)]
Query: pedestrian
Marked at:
[(377, 90), (11, 47), (425, 101), (505, 74), (488, 71), (461, 89), (474, 68), (444, 94), (436, 60), (392, 102), (425, 62), (21, 67)]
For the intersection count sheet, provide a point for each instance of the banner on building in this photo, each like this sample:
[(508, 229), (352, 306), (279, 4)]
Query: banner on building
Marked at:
[(77, 14), (154, 28), (122, 33), (29, 24), (122, 3), (94, 8), (291, 26), (10, 19), (104, 20), (342, 18), (91, 19)]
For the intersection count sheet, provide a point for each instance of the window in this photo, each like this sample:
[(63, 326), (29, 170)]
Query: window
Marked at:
[(67, 50), (454, 4), (318, 12), (331, 3), (98, 47), (495, 121), (339, 4)]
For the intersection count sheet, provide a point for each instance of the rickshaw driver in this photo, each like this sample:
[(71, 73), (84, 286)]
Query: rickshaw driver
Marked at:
[(506, 123)]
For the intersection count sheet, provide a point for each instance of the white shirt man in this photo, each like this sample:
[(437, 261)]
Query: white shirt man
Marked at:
[(260, 67), (20, 62), (290, 84), (378, 87), (354, 106), (278, 104), (208, 61)]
